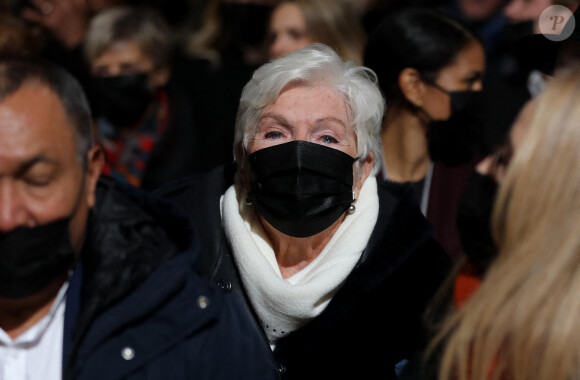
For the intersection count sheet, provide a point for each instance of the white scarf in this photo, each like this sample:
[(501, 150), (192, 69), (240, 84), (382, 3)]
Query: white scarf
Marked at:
[(284, 305)]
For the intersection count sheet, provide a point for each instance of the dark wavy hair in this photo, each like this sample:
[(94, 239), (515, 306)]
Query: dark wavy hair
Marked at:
[(424, 39)]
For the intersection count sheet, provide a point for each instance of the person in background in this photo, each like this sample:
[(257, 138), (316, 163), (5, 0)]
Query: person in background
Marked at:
[(16, 38), (526, 62), (336, 268), (474, 225), (521, 322), (297, 23), (545, 55), (97, 279), (430, 69), (475, 208), (65, 21), (485, 17), (529, 11), (61, 26), (146, 127), (214, 62)]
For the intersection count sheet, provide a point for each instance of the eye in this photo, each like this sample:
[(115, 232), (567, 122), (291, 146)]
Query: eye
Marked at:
[(130, 70), (39, 175), (328, 139), (274, 135), (101, 71), (296, 34), (473, 81), (272, 38), (37, 181)]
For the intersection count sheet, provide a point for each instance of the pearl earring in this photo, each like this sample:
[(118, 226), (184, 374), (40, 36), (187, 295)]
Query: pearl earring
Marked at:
[(352, 208)]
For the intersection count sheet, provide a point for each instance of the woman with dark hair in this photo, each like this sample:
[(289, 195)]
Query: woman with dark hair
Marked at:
[(430, 70)]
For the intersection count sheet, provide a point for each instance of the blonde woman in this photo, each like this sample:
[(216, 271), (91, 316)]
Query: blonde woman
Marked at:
[(297, 23), (523, 321)]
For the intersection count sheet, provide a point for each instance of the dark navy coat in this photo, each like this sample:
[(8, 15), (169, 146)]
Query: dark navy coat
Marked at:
[(135, 309)]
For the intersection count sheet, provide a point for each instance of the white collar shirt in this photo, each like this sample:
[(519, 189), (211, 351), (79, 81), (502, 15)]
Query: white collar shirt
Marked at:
[(36, 354)]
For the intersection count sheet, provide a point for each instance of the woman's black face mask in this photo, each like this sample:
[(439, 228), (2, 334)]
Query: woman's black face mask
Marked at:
[(457, 140), (300, 187), (122, 99)]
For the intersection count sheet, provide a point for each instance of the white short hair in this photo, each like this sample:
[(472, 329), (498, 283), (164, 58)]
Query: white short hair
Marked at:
[(142, 25), (313, 65)]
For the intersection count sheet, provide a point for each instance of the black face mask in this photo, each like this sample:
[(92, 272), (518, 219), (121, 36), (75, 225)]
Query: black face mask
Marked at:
[(458, 139), (246, 22), (122, 99), (30, 258), (299, 187), (474, 218)]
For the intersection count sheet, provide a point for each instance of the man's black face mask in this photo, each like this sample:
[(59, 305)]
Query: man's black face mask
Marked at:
[(32, 257), (300, 187)]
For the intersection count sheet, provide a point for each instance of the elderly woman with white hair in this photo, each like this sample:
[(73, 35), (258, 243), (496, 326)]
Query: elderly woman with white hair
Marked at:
[(336, 268), (145, 120)]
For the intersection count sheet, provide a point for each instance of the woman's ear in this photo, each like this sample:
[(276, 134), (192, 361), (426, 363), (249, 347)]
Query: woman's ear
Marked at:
[(412, 86), (366, 167)]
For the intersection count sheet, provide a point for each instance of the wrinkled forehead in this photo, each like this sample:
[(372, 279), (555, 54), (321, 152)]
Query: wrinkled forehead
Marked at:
[(329, 88)]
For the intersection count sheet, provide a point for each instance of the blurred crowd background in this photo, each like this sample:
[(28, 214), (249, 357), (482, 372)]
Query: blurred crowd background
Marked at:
[(176, 68), (164, 78)]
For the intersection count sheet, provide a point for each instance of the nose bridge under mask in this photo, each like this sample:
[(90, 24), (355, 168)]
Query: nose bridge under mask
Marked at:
[(299, 157)]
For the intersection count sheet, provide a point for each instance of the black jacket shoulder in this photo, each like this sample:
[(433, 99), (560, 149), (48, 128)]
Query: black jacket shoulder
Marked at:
[(375, 319), (143, 311)]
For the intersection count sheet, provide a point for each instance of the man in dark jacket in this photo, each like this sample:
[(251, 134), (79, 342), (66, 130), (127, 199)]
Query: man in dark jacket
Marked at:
[(96, 281)]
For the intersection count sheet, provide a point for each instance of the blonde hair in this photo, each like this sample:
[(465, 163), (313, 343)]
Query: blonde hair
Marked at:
[(208, 39), (335, 23), (524, 320)]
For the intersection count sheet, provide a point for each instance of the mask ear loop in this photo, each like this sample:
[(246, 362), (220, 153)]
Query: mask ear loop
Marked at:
[(434, 84)]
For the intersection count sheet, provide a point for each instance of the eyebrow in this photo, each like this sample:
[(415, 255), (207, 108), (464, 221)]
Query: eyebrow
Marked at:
[(331, 118), (282, 120), (279, 118)]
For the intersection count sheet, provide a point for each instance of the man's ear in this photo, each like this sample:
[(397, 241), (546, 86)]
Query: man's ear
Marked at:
[(95, 162), (412, 86)]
